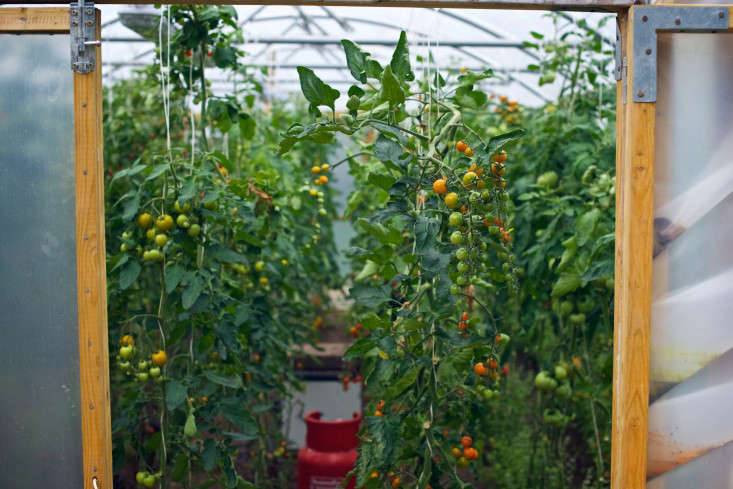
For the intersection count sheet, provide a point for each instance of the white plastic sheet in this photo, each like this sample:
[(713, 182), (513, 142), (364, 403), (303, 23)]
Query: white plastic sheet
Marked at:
[(690, 421)]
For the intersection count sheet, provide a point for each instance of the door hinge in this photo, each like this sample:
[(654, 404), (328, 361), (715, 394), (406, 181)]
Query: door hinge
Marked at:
[(83, 37), (650, 20), (619, 54)]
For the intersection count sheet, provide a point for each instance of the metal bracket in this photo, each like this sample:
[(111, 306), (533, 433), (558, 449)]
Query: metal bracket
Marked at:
[(619, 54), (83, 33), (650, 20)]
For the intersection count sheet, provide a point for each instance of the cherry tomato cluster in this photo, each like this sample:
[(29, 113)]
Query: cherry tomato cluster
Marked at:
[(466, 452), (157, 231), (143, 370), (355, 330), (508, 110), (477, 213)]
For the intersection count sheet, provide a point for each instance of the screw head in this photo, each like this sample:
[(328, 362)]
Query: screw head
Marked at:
[(648, 51), (677, 21), (644, 18), (640, 93), (721, 14)]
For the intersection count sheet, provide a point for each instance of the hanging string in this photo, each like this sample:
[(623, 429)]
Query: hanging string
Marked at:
[(190, 110), (165, 76)]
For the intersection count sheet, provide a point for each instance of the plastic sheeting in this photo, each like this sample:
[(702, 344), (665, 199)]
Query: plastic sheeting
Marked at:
[(690, 422)]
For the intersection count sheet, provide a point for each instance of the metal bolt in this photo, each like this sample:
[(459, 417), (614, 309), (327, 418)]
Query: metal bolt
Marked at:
[(74, 12), (677, 21), (74, 22), (88, 11), (89, 23), (644, 18), (721, 14), (648, 51), (640, 93)]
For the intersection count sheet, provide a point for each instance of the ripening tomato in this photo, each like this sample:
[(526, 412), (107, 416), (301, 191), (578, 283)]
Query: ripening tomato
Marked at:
[(451, 200), (145, 220), (461, 146), (466, 441), (439, 186), (164, 222), (160, 358)]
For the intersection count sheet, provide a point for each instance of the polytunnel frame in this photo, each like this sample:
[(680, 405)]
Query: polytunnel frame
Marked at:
[(308, 20), (635, 149)]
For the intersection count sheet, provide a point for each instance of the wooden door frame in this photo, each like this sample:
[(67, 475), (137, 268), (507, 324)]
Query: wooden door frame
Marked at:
[(90, 244)]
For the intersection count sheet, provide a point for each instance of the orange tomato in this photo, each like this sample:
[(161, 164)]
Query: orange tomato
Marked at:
[(439, 186)]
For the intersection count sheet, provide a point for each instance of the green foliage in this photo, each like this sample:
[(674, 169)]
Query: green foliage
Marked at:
[(240, 248), (423, 302)]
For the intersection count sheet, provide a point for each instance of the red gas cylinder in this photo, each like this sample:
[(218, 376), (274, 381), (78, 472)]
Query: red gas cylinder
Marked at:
[(329, 452)]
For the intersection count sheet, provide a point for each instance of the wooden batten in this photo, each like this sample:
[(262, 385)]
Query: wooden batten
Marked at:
[(22, 20), (634, 233), (91, 277)]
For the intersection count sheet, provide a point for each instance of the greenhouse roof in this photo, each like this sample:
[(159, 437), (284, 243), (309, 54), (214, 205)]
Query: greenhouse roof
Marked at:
[(279, 38)]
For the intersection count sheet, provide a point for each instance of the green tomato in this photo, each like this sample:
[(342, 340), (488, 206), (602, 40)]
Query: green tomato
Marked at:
[(462, 254), (560, 372), (182, 221), (461, 280), (149, 481), (456, 238), (142, 376), (564, 391), (455, 219), (462, 267), (544, 382), (140, 476), (260, 266), (194, 230), (126, 352), (161, 240), (474, 197), (182, 209), (154, 372), (455, 289), (189, 429), (547, 180), (577, 318), (322, 212)]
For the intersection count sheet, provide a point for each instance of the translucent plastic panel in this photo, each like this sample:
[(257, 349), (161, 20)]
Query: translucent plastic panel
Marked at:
[(40, 424), (692, 297)]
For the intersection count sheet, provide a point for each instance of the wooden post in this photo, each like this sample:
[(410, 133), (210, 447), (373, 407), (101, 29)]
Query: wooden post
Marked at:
[(91, 276), (634, 233)]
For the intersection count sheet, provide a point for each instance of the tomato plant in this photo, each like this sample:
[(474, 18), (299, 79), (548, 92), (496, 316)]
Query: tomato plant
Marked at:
[(217, 251), (561, 321), (433, 246)]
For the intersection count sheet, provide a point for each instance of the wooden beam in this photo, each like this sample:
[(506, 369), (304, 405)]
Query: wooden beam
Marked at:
[(634, 232), (34, 20), (577, 5), (91, 277)]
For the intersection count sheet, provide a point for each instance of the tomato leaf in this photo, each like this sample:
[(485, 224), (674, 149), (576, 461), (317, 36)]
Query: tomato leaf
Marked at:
[(586, 224), (371, 297), (401, 385), (173, 276), (355, 60), (400, 63), (175, 394), (129, 274), (314, 90), (496, 142), (567, 283), (233, 382), (391, 90)]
